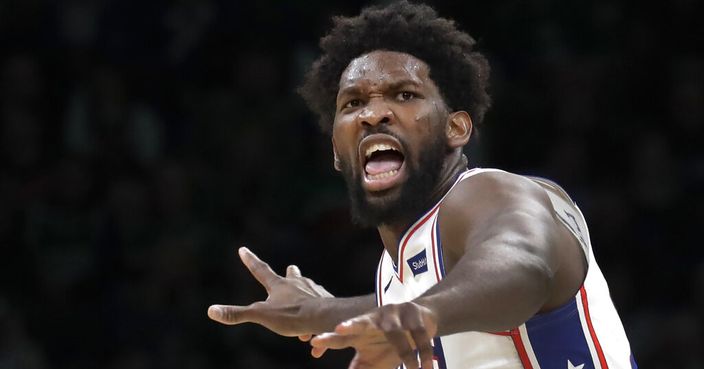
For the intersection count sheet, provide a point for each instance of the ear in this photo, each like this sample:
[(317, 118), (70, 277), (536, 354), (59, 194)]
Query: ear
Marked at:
[(336, 159), (459, 129)]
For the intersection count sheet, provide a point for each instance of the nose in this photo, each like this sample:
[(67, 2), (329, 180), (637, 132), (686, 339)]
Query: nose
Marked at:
[(375, 112)]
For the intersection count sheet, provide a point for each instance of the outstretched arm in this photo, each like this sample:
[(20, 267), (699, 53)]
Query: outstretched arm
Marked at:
[(507, 256), (500, 240), (296, 306)]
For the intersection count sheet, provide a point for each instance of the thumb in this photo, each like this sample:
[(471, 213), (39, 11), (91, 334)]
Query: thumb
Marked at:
[(229, 314)]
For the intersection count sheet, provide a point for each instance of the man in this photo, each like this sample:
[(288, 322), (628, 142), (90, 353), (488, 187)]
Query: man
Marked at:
[(481, 268)]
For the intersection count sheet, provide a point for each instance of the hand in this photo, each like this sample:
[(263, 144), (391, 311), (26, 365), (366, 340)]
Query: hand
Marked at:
[(385, 337), (285, 311)]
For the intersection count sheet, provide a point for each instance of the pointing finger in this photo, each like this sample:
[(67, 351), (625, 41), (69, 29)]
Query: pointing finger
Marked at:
[(331, 341), (259, 269), (228, 314), (233, 314), (293, 271)]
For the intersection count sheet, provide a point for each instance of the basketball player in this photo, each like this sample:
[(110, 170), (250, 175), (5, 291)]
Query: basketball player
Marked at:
[(481, 268)]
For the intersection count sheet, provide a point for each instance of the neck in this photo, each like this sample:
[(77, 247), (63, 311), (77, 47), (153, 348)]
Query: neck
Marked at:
[(391, 233)]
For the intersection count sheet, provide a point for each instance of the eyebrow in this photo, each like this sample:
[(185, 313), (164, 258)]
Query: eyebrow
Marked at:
[(402, 83), (392, 86)]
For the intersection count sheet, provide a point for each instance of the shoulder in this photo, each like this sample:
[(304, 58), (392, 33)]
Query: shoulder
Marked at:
[(488, 191), (488, 210), (491, 201)]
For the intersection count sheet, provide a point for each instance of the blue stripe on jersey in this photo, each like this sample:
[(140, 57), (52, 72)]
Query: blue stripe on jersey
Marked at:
[(439, 245), (557, 337), (438, 353), (633, 362)]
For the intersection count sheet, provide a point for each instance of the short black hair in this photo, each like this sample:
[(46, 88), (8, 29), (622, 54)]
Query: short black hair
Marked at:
[(461, 74)]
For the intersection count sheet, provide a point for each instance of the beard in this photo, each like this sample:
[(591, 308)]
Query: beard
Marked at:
[(412, 198)]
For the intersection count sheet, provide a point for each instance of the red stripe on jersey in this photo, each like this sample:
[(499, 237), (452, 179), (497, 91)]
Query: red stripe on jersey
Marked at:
[(597, 346), (521, 348), (408, 237)]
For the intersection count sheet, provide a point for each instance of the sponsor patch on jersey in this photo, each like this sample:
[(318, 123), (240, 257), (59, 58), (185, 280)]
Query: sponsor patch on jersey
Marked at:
[(418, 263)]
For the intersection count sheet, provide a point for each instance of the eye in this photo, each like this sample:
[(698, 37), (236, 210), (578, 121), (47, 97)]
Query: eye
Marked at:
[(353, 103), (405, 96)]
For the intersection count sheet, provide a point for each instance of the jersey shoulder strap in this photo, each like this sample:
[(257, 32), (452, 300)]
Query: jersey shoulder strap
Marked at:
[(567, 211)]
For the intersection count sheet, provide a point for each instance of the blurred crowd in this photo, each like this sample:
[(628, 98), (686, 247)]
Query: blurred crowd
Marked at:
[(142, 142)]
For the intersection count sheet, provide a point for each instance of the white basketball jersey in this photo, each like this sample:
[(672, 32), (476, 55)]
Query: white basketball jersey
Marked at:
[(585, 333)]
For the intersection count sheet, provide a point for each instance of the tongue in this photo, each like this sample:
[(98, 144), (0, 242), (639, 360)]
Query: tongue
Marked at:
[(382, 163)]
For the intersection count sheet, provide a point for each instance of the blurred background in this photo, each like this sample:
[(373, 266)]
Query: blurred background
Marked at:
[(141, 142)]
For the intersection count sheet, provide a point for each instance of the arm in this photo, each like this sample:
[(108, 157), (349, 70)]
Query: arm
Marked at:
[(504, 249), (502, 243), (296, 306)]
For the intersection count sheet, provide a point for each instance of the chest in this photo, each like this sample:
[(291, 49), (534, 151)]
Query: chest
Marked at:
[(419, 267)]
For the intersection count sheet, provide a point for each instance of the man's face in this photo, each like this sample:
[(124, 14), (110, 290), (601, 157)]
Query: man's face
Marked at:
[(389, 136)]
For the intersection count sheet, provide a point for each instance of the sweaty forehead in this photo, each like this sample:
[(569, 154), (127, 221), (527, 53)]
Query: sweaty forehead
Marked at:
[(384, 67)]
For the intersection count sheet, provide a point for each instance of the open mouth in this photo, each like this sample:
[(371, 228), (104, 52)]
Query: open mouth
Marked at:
[(383, 162)]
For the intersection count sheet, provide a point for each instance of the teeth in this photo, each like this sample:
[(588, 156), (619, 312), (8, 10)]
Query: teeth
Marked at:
[(377, 147), (383, 175)]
